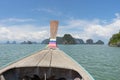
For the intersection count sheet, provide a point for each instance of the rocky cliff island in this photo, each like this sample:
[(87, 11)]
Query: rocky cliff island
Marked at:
[(68, 39), (115, 40)]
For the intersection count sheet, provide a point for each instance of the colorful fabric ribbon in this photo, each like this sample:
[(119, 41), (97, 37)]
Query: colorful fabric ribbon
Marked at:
[(52, 43)]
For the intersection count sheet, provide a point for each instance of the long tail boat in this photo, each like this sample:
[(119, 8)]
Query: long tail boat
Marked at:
[(47, 64)]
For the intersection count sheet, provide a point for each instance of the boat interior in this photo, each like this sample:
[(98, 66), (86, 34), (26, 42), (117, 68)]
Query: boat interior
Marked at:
[(40, 73)]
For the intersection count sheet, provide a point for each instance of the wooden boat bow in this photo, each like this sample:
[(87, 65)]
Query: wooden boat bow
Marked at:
[(46, 63)]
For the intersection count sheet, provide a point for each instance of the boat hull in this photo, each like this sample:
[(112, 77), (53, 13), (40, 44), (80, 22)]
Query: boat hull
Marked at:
[(45, 64), (41, 72)]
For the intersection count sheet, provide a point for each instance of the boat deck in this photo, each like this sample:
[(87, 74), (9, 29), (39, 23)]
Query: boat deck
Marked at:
[(47, 62)]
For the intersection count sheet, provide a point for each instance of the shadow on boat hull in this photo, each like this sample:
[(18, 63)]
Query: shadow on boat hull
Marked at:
[(44, 73)]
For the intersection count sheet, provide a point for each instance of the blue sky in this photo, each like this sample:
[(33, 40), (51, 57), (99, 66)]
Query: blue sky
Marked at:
[(29, 19)]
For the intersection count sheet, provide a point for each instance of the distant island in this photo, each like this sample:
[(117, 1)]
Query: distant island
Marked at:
[(28, 42), (24, 42), (115, 40), (68, 39)]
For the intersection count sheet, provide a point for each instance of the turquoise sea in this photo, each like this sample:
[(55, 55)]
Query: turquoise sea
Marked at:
[(101, 61)]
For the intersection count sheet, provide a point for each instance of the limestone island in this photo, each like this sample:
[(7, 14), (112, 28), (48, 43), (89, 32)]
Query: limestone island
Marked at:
[(115, 40), (68, 39)]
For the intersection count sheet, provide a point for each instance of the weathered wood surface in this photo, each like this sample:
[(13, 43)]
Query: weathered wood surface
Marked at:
[(53, 29), (49, 58)]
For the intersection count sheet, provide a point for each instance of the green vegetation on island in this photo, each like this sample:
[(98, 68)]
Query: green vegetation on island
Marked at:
[(68, 39), (115, 40)]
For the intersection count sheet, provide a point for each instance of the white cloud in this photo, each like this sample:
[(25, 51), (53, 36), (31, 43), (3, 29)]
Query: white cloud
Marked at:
[(95, 29), (83, 29), (117, 15), (24, 32), (50, 11), (46, 10), (15, 20)]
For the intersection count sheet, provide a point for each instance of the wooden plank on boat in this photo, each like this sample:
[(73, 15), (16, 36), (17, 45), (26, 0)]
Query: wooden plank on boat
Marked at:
[(49, 58)]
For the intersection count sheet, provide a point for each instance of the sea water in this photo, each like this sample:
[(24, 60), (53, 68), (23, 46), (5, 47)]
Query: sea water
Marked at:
[(101, 61)]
